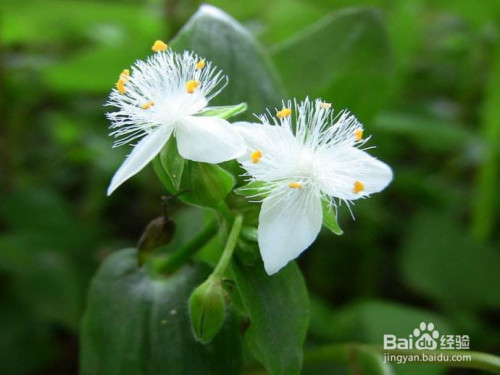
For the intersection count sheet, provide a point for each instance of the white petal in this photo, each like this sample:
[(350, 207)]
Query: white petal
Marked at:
[(208, 139), (251, 131), (287, 226), (280, 151), (141, 155), (342, 167), (272, 139)]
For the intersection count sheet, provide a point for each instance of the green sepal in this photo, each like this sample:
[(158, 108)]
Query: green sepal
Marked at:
[(163, 176), (207, 309), (225, 111), (201, 184), (330, 218), (205, 184), (248, 248), (172, 164)]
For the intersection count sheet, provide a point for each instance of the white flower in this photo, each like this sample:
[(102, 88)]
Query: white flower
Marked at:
[(165, 96), (300, 163)]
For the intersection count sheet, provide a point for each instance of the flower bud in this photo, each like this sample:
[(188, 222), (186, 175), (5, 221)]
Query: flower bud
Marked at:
[(159, 232), (207, 309)]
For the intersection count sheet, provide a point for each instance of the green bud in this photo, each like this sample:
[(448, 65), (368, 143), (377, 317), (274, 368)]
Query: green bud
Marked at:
[(207, 309), (159, 232)]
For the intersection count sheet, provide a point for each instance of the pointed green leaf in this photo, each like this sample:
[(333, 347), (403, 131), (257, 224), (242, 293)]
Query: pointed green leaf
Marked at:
[(330, 218), (444, 263), (218, 37), (278, 307), (136, 324), (225, 111), (344, 58)]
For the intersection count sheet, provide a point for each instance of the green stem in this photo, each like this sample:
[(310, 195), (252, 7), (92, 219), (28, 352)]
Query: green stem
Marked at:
[(181, 256), (344, 353), (225, 212), (221, 267)]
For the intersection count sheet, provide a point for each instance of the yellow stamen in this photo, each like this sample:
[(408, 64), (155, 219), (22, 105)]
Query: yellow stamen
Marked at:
[(358, 187), (285, 112), (191, 86), (358, 134), (200, 64), (148, 105), (120, 85), (159, 46), (326, 105), (295, 185), (255, 156), (124, 76)]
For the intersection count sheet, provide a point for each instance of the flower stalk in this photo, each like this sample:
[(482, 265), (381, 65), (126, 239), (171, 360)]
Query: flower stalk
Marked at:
[(181, 256), (224, 260)]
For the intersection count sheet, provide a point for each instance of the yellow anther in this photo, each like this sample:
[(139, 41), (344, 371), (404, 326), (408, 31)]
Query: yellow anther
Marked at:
[(124, 76), (358, 187), (120, 85), (159, 46), (295, 185), (358, 134), (285, 112), (255, 156), (200, 64), (326, 105), (148, 105), (191, 86)]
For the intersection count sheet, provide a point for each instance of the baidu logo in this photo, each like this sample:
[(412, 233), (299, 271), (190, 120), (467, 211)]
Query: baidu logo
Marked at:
[(426, 337)]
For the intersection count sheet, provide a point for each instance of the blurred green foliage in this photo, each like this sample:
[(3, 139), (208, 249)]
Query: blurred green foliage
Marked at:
[(423, 76)]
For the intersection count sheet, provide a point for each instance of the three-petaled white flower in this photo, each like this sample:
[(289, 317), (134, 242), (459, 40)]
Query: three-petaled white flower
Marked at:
[(300, 163), (166, 95)]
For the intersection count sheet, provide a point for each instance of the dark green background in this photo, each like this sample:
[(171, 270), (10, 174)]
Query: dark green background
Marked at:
[(423, 77)]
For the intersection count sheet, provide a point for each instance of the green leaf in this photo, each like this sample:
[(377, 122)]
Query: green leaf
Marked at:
[(369, 321), (278, 307), (225, 111), (429, 133), (26, 342), (357, 358), (136, 324), (330, 218), (205, 184), (485, 205), (344, 58), (172, 164), (443, 262), (216, 36)]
